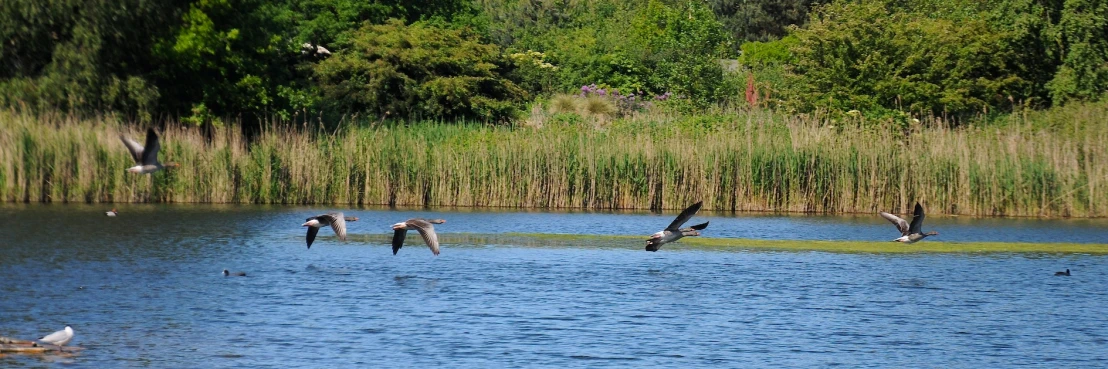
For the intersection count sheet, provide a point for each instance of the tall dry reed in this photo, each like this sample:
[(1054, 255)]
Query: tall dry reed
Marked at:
[(754, 161)]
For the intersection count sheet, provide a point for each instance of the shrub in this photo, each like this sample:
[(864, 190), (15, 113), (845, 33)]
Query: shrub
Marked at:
[(773, 53), (684, 45), (864, 56), (419, 71), (598, 106), (760, 20), (563, 103), (649, 45), (1083, 31)]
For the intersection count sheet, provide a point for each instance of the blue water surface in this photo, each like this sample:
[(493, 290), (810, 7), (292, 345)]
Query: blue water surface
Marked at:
[(144, 289)]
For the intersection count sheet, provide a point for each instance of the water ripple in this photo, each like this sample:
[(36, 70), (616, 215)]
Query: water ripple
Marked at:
[(157, 298)]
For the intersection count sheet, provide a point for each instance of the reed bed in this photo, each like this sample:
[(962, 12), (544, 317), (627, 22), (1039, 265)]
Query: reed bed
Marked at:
[(738, 161)]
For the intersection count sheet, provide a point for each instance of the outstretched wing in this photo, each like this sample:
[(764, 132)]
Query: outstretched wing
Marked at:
[(427, 231), (901, 224), (684, 216), (338, 224), (700, 226), (150, 152), (133, 147), (311, 235), (398, 239), (917, 220)]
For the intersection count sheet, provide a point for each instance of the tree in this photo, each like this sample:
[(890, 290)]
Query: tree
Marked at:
[(760, 20), (867, 57), (82, 56), (418, 71), (1083, 32)]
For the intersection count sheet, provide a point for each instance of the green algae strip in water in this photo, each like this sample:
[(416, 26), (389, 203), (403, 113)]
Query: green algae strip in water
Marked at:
[(708, 243), (897, 247)]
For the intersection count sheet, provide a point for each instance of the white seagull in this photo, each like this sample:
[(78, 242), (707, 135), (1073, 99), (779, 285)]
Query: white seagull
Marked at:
[(59, 338)]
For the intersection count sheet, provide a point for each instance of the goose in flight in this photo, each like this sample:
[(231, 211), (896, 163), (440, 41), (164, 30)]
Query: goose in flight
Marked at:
[(336, 220), (909, 233), (59, 338), (426, 228), (146, 157), (674, 232)]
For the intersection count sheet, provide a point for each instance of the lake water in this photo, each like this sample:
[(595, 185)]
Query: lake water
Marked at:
[(145, 290)]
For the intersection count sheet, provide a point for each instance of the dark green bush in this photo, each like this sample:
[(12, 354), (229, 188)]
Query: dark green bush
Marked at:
[(761, 54), (81, 56), (760, 20), (418, 71), (863, 56), (1083, 31), (684, 45)]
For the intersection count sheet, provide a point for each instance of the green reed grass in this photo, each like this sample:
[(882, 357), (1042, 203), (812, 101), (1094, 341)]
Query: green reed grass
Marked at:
[(735, 161)]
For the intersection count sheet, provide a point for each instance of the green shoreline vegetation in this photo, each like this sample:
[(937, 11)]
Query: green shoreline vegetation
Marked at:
[(710, 243), (1041, 164), (843, 106)]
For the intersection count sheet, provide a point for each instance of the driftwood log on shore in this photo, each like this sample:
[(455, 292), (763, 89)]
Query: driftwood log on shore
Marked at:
[(15, 345)]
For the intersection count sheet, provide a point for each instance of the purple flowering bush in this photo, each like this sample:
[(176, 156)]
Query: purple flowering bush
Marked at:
[(626, 104)]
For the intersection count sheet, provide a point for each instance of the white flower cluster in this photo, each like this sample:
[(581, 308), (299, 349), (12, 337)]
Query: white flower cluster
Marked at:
[(533, 57)]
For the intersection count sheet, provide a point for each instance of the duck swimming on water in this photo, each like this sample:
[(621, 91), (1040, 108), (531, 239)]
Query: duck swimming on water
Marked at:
[(227, 273)]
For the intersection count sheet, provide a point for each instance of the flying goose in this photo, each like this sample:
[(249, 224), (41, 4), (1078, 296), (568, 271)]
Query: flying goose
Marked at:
[(227, 273), (59, 338), (674, 232), (146, 157), (112, 213), (909, 233), (1065, 273), (426, 230), (336, 220)]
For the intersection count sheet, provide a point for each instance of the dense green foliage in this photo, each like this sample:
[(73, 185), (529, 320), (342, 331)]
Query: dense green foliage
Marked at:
[(203, 59), (80, 55), (862, 56), (252, 60), (646, 47), (761, 20), (418, 72), (1083, 30), (950, 58)]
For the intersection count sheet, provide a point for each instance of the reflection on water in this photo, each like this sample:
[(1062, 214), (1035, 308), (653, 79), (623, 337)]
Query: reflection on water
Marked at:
[(145, 289)]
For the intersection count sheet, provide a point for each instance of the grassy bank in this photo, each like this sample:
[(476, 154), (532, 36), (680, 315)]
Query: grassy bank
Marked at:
[(708, 243), (1046, 165)]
